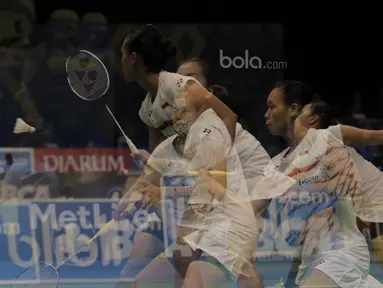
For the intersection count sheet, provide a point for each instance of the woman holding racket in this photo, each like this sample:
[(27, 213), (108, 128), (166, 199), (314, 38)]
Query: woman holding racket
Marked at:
[(341, 238), (252, 155), (223, 225), (144, 55)]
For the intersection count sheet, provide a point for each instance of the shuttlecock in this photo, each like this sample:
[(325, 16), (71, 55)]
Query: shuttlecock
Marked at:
[(22, 127)]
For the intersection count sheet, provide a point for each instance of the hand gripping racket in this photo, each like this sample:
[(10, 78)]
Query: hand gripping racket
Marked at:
[(89, 79)]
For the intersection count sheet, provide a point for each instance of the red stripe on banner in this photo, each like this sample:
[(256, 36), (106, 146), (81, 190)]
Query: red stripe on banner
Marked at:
[(88, 160)]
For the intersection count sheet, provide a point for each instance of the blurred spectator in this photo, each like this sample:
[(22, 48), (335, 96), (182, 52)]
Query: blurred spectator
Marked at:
[(8, 161), (94, 32), (13, 174), (18, 63)]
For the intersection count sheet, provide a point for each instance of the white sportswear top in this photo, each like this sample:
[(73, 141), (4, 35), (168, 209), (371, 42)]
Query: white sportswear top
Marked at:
[(160, 113), (226, 229), (325, 177), (252, 155), (371, 183)]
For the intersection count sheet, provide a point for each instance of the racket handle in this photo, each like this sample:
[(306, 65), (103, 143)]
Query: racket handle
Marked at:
[(103, 230), (131, 145), (112, 223), (214, 173)]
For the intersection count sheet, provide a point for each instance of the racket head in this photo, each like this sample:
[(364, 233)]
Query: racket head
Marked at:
[(87, 75), (39, 275)]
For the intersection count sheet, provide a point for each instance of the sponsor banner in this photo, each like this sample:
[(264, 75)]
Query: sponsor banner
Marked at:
[(22, 159), (89, 160), (62, 185), (51, 231)]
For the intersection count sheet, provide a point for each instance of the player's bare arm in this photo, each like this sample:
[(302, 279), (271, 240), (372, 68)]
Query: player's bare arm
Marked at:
[(353, 136)]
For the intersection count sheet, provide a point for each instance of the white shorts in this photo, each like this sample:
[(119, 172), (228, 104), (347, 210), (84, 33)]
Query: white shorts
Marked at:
[(230, 237), (348, 268)]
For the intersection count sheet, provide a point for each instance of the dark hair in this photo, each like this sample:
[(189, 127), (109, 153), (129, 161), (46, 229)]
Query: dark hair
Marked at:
[(324, 111), (153, 48), (295, 92), (204, 67), (8, 159)]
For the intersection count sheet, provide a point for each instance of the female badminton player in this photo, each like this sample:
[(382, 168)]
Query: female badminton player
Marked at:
[(321, 266), (252, 155), (224, 222), (144, 55), (318, 115)]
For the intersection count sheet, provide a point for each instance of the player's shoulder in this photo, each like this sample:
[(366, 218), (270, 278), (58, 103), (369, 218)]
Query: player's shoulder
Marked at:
[(329, 136), (277, 158), (146, 103), (165, 145), (145, 110), (175, 80), (211, 129)]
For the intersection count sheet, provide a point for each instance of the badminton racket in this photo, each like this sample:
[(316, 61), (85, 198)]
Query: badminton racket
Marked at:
[(89, 79), (46, 274)]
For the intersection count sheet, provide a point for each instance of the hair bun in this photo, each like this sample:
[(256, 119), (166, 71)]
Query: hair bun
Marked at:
[(170, 49)]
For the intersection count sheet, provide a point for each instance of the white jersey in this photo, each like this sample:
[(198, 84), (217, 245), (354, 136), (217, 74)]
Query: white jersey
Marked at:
[(371, 183), (227, 228), (252, 155), (160, 112), (321, 161), (165, 159)]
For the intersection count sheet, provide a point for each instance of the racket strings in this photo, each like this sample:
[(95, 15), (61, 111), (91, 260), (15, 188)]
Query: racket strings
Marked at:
[(43, 272), (87, 76)]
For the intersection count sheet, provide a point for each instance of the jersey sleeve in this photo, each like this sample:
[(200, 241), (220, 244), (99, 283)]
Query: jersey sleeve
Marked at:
[(144, 113), (175, 87), (159, 160), (336, 131), (210, 145)]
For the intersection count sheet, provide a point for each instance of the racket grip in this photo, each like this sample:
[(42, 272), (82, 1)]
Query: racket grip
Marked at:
[(131, 145), (131, 207), (112, 223), (103, 230)]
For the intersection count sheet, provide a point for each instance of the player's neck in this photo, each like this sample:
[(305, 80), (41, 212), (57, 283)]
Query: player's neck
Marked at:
[(150, 83), (289, 138)]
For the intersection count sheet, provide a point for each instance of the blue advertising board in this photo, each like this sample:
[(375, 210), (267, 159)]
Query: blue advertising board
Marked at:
[(50, 231), (22, 159)]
